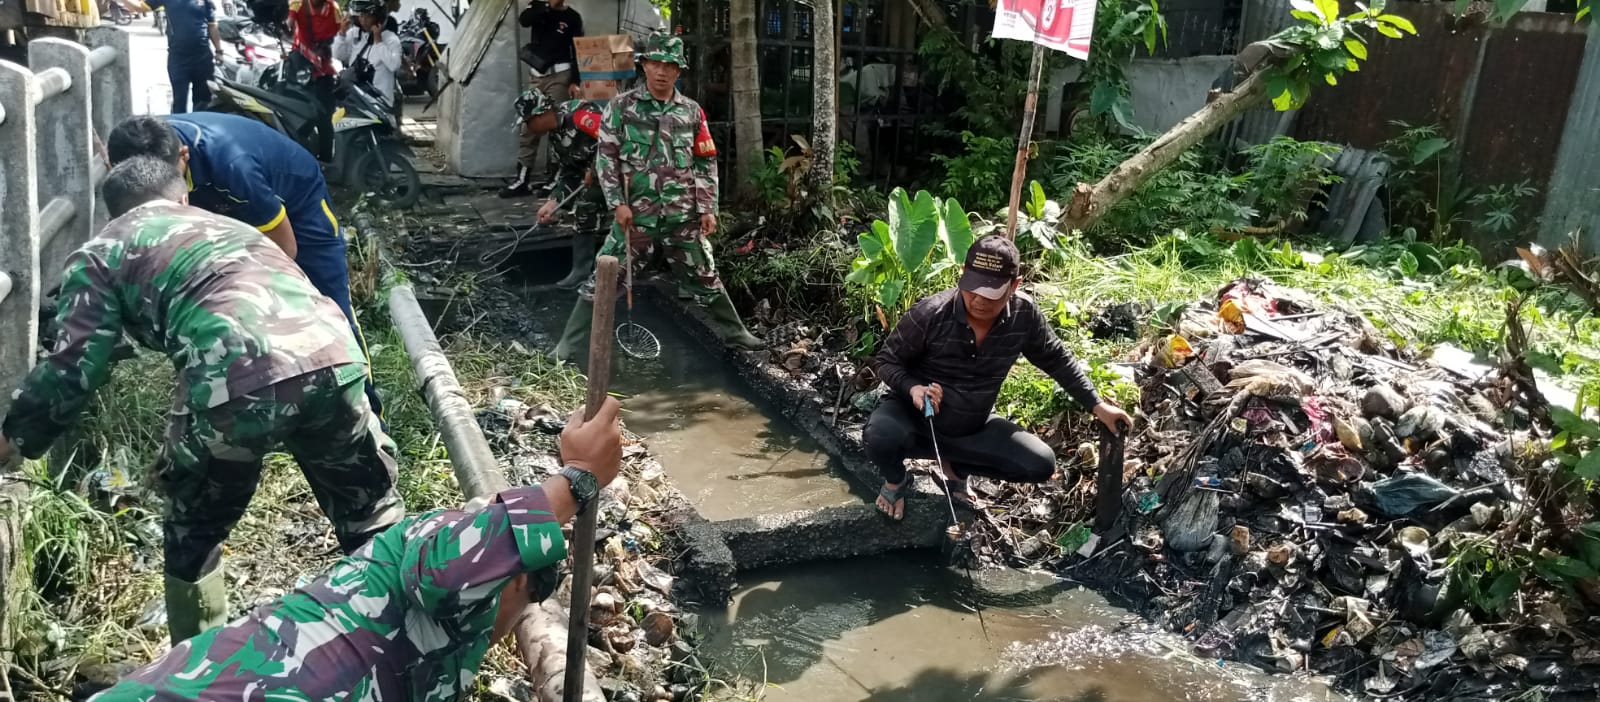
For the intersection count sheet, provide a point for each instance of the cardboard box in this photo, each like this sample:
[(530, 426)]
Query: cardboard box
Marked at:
[(599, 89), (605, 57)]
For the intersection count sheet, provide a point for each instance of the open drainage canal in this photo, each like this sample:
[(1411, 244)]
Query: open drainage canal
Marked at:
[(730, 455), (900, 627), (891, 627)]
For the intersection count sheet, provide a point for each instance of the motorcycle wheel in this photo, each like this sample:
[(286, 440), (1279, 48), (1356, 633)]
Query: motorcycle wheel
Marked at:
[(388, 175)]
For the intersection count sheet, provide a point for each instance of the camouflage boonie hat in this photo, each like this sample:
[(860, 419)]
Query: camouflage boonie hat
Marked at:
[(665, 48), (534, 102)]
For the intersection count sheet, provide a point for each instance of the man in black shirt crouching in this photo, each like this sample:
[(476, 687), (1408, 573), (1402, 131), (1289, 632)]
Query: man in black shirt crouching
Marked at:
[(953, 350)]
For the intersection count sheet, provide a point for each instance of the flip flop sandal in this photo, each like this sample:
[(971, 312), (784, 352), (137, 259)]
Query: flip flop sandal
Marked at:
[(958, 491), (893, 495)]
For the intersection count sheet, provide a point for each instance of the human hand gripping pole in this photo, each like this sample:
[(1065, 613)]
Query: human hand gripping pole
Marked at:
[(605, 302)]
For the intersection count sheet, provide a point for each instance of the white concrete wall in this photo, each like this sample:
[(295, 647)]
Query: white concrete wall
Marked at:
[(1164, 90)]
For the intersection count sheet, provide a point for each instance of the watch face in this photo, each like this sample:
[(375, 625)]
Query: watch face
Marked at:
[(584, 484)]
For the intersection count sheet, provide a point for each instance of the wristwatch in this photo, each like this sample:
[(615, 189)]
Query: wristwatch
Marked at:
[(585, 487)]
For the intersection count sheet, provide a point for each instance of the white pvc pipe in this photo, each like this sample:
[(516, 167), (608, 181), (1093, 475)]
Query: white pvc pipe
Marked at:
[(5, 286)]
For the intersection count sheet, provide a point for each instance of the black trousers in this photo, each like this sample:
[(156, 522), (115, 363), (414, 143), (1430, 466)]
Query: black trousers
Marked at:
[(188, 76), (1000, 449), (322, 90)]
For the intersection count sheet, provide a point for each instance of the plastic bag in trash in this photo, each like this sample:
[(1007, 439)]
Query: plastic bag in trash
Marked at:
[(1403, 494)]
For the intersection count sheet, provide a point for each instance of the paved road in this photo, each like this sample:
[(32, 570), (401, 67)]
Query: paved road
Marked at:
[(147, 49)]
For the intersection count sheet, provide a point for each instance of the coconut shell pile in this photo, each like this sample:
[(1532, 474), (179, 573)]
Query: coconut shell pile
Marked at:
[(1300, 494)]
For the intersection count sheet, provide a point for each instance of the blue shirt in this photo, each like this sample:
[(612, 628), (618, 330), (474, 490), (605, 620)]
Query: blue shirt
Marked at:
[(244, 169), (188, 34)]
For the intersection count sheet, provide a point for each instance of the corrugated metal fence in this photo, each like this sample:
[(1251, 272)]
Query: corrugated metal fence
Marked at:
[(1521, 102), (50, 115)]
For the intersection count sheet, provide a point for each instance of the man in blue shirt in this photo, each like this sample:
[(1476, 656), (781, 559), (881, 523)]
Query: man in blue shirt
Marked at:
[(241, 168), (190, 63)]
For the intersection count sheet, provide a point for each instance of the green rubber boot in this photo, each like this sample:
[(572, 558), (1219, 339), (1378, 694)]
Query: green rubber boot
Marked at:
[(195, 607), (576, 333), (582, 262), (725, 321)]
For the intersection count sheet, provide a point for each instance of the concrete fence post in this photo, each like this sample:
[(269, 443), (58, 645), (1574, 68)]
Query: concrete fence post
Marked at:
[(111, 96), (66, 156), (19, 226)]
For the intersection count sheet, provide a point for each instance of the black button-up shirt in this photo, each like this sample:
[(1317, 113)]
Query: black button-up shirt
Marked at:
[(934, 344)]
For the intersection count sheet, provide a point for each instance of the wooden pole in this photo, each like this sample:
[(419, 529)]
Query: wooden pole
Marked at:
[(1020, 171), (605, 304)]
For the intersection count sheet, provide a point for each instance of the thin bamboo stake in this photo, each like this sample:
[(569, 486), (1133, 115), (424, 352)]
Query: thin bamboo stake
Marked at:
[(1024, 139)]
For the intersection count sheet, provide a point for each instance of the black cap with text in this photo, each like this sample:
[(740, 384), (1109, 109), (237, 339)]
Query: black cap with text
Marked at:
[(992, 266)]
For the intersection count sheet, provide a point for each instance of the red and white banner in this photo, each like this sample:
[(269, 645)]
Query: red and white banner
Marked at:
[(1063, 25)]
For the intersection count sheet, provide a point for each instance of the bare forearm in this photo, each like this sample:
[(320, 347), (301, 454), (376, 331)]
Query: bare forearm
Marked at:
[(283, 236), (559, 492)]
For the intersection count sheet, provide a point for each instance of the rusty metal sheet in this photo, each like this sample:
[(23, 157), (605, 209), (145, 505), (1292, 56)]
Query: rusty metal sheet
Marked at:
[(1573, 203), (1419, 80), (1520, 106)]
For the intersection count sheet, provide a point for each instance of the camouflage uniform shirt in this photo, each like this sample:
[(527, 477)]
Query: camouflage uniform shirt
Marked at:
[(407, 617), (573, 145), (223, 302), (665, 150)]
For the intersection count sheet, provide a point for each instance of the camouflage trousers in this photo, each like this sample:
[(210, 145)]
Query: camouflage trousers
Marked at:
[(211, 463), (675, 237)]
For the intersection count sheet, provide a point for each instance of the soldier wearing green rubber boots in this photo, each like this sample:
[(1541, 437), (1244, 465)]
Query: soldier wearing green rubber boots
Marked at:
[(657, 166)]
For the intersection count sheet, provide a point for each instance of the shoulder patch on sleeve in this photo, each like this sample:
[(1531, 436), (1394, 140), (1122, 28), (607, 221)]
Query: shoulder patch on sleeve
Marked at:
[(587, 120), (704, 146)]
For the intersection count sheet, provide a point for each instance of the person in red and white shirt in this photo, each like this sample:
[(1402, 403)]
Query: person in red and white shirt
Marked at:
[(316, 23)]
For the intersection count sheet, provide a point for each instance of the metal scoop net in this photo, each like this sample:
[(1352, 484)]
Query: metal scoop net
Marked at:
[(634, 339)]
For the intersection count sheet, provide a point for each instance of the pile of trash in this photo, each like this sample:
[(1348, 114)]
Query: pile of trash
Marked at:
[(639, 638), (1300, 491)]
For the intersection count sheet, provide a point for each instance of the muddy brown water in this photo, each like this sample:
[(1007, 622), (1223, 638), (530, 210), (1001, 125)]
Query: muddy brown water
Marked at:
[(731, 455), (885, 628), (902, 627)]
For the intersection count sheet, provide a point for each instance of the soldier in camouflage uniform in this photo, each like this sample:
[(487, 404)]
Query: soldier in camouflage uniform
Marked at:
[(407, 618), (263, 359), (573, 127), (657, 166)]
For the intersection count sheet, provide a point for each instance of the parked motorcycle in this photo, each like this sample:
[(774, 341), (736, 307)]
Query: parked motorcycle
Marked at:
[(420, 51), (118, 14), (368, 152), (248, 51)]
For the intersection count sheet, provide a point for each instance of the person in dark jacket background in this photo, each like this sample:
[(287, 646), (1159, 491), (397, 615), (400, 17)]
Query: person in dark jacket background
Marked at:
[(954, 349), (193, 45), (551, 29)]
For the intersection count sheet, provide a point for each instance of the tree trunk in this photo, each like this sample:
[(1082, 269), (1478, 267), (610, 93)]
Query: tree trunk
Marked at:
[(824, 104), (1090, 202), (931, 13), (746, 80)]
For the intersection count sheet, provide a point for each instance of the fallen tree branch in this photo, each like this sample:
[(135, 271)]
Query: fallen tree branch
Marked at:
[(1091, 202)]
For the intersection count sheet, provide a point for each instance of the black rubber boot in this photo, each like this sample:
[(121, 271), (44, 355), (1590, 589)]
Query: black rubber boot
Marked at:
[(582, 262), (576, 333), (725, 321), (522, 186)]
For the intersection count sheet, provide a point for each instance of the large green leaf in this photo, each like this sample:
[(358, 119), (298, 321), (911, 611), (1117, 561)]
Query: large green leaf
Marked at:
[(1329, 9), (955, 230), (1588, 467), (1356, 48), (914, 225), (863, 273), (1037, 201), (1406, 26), (1571, 422), (889, 294), (872, 243)]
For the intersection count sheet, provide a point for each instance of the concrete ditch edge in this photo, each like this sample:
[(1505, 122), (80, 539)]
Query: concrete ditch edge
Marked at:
[(809, 534)]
